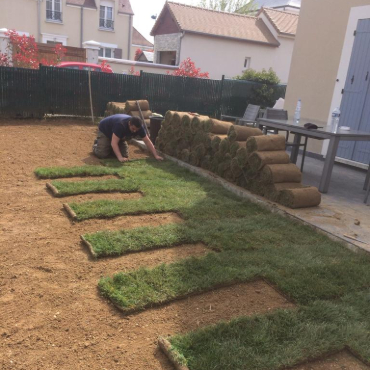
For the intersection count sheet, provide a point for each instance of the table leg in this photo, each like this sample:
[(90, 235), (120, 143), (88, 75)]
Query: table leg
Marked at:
[(328, 165), (295, 148)]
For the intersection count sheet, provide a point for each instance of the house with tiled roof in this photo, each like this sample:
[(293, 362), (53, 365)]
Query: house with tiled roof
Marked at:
[(73, 22), (140, 42), (225, 43)]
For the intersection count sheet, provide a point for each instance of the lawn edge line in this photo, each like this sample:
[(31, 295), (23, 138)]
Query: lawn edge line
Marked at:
[(89, 246), (134, 311), (70, 212), (168, 350), (261, 201), (53, 189)]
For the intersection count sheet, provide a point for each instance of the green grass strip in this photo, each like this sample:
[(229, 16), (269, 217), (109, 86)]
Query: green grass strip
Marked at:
[(60, 172), (254, 232), (281, 339), (101, 186), (304, 273)]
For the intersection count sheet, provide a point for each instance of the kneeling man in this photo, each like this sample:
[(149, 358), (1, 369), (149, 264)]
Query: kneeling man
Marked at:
[(114, 131)]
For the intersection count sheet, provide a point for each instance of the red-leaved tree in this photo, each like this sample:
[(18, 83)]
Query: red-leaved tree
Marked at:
[(138, 53), (25, 53), (105, 67), (187, 69)]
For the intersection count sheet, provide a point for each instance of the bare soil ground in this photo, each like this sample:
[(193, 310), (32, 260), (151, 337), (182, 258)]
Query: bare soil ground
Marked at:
[(51, 314)]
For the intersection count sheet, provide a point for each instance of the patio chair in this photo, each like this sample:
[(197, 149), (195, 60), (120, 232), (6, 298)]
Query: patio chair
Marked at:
[(249, 117), (282, 114)]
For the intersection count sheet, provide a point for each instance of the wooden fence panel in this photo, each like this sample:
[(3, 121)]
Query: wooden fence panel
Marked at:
[(73, 54)]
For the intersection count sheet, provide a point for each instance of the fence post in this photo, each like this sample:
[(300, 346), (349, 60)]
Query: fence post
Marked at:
[(92, 51), (141, 84), (221, 94)]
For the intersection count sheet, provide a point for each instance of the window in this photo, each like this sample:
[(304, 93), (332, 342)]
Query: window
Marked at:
[(247, 62), (106, 17), (106, 52), (54, 10)]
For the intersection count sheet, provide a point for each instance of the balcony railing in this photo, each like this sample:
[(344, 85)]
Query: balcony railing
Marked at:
[(53, 16), (106, 23)]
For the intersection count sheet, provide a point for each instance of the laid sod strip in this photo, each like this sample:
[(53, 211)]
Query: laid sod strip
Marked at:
[(281, 339), (59, 172), (63, 188), (115, 243), (231, 234), (302, 272)]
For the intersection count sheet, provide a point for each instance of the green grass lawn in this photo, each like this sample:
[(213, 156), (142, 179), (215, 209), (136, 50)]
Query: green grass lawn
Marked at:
[(329, 283)]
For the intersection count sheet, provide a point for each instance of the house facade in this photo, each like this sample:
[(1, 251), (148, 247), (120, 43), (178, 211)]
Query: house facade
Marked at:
[(225, 43), (330, 68), (73, 22)]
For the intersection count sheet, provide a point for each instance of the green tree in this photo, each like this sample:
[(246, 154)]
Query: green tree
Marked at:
[(231, 6), (267, 77), (265, 90)]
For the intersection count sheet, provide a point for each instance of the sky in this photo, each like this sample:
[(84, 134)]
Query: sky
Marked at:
[(144, 9)]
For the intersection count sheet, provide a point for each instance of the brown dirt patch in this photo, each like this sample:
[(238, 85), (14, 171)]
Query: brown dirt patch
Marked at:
[(97, 196), (339, 361), (51, 314)]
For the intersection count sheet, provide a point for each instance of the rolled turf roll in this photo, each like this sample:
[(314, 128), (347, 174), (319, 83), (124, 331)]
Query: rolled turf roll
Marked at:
[(258, 159), (265, 143), (131, 105), (176, 119), (185, 122), (300, 197), (200, 151), (196, 123), (216, 142), (272, 191), (236, 169), (194, 160), (275, 173), (224, 166), (146, 113), (235, 146), (242, 156), (206, 162), (242, 133), (168, 117), (224, 145), (185, 155), (217, 127)]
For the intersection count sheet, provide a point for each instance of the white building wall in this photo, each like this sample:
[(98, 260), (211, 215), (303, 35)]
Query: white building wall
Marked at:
[(220, 56)]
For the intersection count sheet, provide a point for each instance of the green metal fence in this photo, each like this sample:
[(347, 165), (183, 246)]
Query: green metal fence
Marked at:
[(49, 90)]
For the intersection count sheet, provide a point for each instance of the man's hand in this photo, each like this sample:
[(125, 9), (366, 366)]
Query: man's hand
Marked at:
[(158, 158), (123, 159)]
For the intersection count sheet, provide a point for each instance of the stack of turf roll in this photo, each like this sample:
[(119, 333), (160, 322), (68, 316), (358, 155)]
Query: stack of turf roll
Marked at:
[(131, 108), (274, 177), (239, 154), (114, 108)]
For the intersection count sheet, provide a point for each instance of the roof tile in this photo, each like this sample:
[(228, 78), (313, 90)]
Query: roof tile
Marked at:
[(139, 39), (221, 24), (284, 22)]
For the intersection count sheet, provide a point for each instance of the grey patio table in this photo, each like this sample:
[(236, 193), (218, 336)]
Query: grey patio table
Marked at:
[(326, 132)]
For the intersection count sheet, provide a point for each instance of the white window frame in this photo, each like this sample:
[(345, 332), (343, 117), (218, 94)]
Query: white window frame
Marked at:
[(54, 38), (106, 5), (104, 47), (53, 7)]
